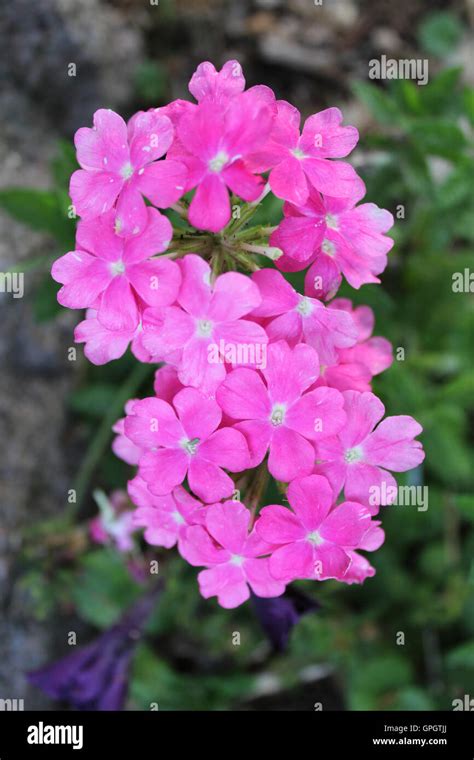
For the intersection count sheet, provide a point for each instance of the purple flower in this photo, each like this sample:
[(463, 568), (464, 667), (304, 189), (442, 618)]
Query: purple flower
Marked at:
[(96, 676), (279, 615)]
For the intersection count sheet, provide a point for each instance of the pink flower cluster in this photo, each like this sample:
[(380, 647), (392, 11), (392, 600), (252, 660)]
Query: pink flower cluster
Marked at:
[(256, 381)]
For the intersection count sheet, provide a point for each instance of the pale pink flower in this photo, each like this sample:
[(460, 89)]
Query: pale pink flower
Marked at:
[(167, 383), (122, 446), (298, 163), (313, 537), (115, 272), (213, 140), (295, 318), (183, 440), (360, 568), (203, 316), (338, 236), (115, 523), (165, 518), (119, 167), (277, 415), (102, 345), (359, 457), (357, 365), (233, 556), (219, 86)]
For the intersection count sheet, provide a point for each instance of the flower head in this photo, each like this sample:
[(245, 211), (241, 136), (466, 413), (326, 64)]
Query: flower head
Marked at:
[(115, 275), (119, 167), (276, 413), (234, 558), (183, 440), (314, 535), (359, 457)]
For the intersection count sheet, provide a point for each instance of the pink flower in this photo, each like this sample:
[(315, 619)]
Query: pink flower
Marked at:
[(313, 537), (122, 446), (205, 315), (213, 140), (219, 86), (102, 345), (357, 365), (113, 272), (337, 236), (119, 166), (277, 414), (165, 518), (295, 318), (115, 523), (357, 459), (183, 440), (167, 383), (360, 568), (232, 555), (300, 162)]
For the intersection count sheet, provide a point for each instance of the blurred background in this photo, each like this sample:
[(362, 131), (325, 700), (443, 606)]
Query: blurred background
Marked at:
[(416, 157)]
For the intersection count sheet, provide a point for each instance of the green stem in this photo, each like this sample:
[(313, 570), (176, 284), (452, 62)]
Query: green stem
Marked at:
[(103, 434)]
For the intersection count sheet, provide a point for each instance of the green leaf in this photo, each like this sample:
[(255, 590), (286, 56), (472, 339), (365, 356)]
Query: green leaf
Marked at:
[(439, 33), (462, 656), (438, 137), (104, 588), (45, 302), (40, 210), (93, 400), (379, 102)]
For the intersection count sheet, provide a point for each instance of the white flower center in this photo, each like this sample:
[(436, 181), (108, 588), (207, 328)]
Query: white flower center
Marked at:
[(178, 517), (315, 538), (278, 415), (117, 267), (217, 163), (298, 153), (328, 247), (353, 455), (305, 307), (236, 559), (204, 328), (190, 446), (127, 170), (331, 221)]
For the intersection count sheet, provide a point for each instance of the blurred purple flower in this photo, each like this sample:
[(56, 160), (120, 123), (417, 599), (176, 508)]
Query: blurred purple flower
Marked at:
[(96, 676), (278, 615)]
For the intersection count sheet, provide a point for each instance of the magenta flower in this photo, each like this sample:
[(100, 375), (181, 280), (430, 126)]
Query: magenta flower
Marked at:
[(296, 318), (167, 384), (102, 345), (233, 556), (111, 273), (277, 415), (122, 446), (360, 568), (357, 365), (312, 537), (165, 518), (204, 316), (213, 140), (219, 86), (183, 440), (298, 163), (357, 459), (119, 167), (337, 236)]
